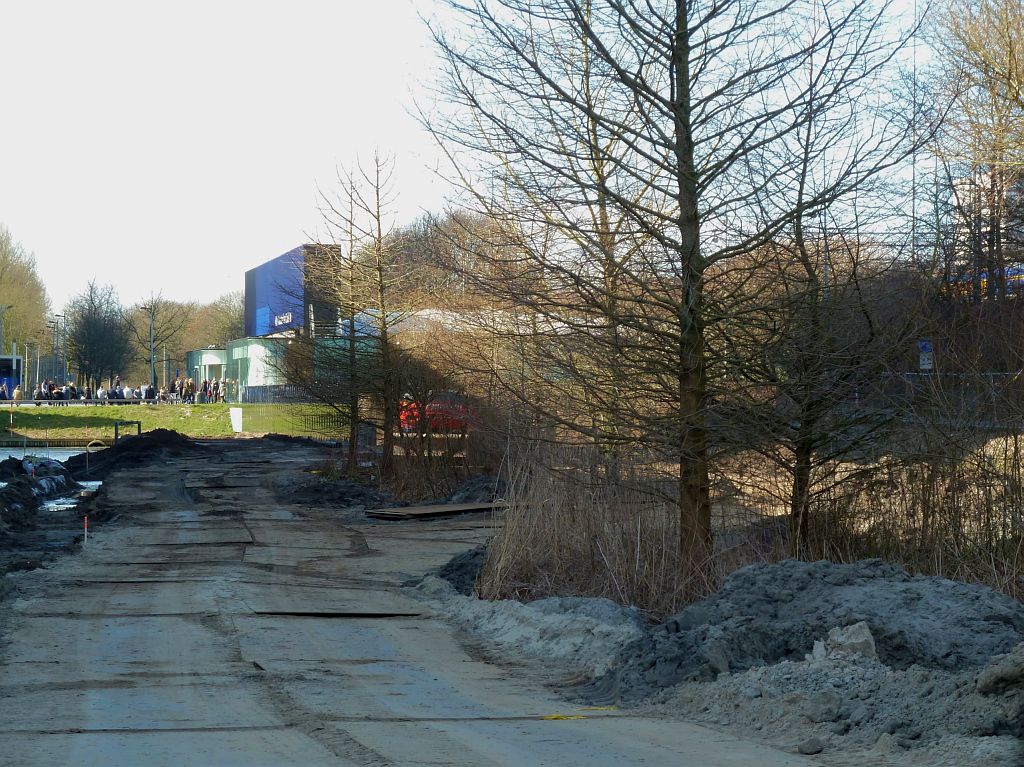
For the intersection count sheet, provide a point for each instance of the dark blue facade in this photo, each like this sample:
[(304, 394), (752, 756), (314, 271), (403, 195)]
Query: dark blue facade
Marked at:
[(275, 295), (11, 369)]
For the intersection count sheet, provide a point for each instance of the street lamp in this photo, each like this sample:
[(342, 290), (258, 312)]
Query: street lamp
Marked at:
[(63, 348), (152, 363), (3, 310)]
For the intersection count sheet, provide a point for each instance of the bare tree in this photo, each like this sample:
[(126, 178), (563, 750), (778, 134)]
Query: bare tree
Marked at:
[(99, 338), (363, 275), (698, 132), (166, 319), (981, 145)]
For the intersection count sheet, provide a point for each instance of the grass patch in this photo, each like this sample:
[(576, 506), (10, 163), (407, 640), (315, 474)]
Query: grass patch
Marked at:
[(203, 421)]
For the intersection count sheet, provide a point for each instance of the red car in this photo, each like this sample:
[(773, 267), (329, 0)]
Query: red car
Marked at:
[(446, 412)]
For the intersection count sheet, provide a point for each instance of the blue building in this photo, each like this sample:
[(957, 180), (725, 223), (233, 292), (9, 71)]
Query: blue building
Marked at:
[(12, 368), (280, 298)]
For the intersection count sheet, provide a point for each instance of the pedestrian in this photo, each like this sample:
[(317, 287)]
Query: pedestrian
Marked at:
[(17, 393)]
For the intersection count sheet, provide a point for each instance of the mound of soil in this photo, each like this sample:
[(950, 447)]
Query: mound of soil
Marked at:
[(18, 504), (764, 614), (855, 703), (11, 467), (335, 493), (135, 451), (483, 489), (462, 570)]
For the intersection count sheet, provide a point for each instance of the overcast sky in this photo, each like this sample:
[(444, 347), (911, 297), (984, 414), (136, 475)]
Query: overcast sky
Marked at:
[(171, 146)]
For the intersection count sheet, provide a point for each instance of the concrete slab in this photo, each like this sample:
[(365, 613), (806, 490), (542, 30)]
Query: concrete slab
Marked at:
[(248, 747)]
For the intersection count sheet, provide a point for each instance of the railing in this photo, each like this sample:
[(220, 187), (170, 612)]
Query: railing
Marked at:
[(325, 424), (119, 424)]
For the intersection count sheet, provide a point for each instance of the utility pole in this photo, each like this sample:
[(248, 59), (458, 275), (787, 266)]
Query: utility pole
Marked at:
[(152, 360), (63, 347), (52, 327)]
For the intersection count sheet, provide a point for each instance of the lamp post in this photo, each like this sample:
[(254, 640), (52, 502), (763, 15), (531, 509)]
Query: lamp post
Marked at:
[(152, 363), (52, 325), (63, 347), (3, 310)]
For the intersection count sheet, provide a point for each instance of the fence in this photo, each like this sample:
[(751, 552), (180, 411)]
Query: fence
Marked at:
[(295, 419)]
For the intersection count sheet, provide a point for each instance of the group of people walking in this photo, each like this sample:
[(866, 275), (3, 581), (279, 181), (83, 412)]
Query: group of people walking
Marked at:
[(183, 390), (120, 393), (186, 390)]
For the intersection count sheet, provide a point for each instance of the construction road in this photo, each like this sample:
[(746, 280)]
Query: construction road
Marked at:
[(217, 623)]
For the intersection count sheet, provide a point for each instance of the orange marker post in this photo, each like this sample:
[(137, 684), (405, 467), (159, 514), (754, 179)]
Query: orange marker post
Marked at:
[(86, 528)]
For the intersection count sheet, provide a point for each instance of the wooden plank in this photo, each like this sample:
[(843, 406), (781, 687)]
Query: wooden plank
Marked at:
[(437, 510)]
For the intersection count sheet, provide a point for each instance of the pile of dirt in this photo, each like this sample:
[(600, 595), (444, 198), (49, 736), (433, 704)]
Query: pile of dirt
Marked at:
[(844, 703), (10, 467), (30, 533), (860, 662), (485, 488), (334, 493), (462, 570), (764, 614), (133, 452), (581, 634), (19, 503), (27, 483)]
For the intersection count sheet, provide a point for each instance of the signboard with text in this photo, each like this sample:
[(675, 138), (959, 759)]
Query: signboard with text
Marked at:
[(925, 355)]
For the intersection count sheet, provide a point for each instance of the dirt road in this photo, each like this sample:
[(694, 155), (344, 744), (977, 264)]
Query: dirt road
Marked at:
[(217, 623)]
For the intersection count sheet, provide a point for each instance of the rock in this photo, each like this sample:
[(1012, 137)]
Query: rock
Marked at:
[(1004, 672), (716, 657), (811, 746), (823, 707), (890, 726), (852, 640), (859, 714), (751, 692), (840, 728), (887, 743)]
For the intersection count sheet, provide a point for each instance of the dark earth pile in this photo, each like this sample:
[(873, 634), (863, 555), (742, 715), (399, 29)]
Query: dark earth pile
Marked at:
[(11, 467), (18, 505), (336, 493), (462, 570), (767, 613), (483, 489), (133, 452), (29, 534)]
